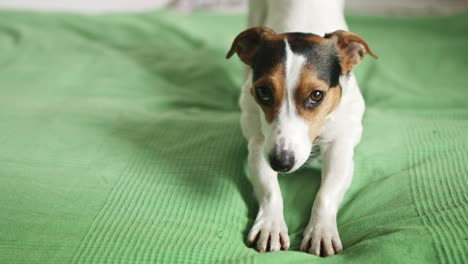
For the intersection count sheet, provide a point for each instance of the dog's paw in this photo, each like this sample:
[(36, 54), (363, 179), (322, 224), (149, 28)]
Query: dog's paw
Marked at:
[(269, 234), (321, 240)]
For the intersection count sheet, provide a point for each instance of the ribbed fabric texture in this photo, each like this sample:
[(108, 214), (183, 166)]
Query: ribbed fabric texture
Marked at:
[(439, 182), (120, 143)]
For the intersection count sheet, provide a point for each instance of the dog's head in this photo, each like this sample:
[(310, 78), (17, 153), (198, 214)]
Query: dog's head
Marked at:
[(296, 84)]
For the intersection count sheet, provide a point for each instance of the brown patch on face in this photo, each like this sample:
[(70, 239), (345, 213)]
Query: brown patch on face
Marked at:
[(316, 117), (275, 80)]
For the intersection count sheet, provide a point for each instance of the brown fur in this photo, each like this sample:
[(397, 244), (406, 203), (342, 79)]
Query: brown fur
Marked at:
[(247, 42), (316, 117), (352, 49), (275, 80)]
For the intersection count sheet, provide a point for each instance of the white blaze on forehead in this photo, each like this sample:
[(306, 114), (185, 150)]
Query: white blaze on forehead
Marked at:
[(294, 64), (290, 131)]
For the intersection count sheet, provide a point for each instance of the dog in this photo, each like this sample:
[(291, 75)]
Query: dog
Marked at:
[(299, 93)]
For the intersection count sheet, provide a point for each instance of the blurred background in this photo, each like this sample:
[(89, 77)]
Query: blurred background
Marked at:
[(378, 7)]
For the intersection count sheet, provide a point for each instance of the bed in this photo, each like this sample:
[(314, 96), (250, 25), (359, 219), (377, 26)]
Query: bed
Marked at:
[(120, 143)]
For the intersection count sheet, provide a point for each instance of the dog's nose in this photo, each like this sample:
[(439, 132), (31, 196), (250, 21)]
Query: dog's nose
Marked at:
[(282, 161)]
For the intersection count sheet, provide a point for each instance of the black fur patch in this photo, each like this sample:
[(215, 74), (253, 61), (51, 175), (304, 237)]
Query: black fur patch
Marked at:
[(269, 54), (322, 58)]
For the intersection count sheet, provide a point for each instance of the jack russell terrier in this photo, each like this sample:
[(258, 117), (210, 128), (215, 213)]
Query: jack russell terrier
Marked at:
[(300, 93)]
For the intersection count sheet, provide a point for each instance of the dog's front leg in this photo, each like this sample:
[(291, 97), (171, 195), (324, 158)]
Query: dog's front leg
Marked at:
[(269, 230), (321, 236)]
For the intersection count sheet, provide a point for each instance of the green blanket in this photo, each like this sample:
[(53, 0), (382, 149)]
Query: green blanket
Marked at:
[(120, 143)]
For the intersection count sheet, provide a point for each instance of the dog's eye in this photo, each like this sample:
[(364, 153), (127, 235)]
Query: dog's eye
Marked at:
[(314, 99), (264, 95), (316, 96)]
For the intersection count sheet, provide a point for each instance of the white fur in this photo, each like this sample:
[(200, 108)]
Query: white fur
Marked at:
[(340, 134), (316, 16), (289, 127)]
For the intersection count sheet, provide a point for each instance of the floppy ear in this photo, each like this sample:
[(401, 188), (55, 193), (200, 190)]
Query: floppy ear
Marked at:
[(247, 43), (352, 48)]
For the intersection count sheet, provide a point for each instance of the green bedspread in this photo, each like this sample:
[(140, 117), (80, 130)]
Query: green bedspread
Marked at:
[(120, 143)]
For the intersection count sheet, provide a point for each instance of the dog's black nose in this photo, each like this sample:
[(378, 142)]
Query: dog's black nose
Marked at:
[(282, 161)]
